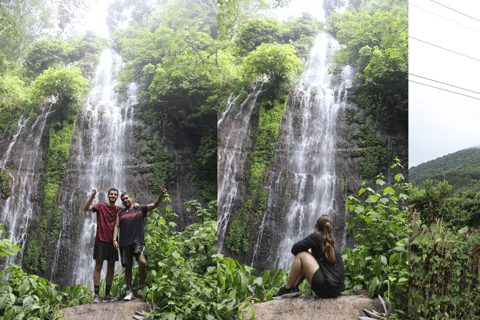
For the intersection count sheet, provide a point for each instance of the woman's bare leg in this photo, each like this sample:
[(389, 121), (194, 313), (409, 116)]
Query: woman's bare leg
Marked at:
[(303, 266)]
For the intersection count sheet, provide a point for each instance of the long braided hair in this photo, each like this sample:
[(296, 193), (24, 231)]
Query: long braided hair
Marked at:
[(324, 223)]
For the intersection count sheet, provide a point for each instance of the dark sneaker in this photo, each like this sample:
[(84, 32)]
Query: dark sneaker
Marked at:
[(96, 299), (109, 298), (129, 295), (287, 293)]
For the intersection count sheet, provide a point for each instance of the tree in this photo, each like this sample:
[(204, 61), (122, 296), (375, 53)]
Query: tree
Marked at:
[(274, 60), (232, 15), (68, 86), (258, 31), (44, 54)]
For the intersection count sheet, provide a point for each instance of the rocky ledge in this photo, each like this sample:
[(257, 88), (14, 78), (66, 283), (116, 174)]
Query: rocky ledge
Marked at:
[(119, 310), (340, 308)]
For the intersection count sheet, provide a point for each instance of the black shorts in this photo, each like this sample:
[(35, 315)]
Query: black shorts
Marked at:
[(322, 287), (105, 251), (130, 251)]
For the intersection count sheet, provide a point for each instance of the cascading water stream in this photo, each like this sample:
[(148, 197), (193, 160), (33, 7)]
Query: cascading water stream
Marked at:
[(103, 159), (232, 157), (18, 208), (312, 153)]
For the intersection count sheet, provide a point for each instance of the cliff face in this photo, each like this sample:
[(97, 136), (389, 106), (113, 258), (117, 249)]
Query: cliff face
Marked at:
[(110, 147), (320, 158)]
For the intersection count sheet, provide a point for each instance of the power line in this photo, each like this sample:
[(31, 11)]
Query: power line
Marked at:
[(444, 48), (443, 89), (445, 18), (444, 83), (455, 10)]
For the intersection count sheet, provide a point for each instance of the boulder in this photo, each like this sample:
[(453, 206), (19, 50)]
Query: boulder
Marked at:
[(340, 308), (120, 310)]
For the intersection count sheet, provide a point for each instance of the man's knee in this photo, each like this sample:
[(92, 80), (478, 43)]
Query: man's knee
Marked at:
[(128, 269), (98, 264), (142, 261)]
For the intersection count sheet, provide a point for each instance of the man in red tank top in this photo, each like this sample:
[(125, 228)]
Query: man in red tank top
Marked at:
[(103, 249)]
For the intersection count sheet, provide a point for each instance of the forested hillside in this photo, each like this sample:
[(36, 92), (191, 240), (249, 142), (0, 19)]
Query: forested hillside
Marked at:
[(461, 169)]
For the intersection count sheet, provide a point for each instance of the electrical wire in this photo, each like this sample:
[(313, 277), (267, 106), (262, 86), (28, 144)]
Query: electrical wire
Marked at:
[(444, 83), (443, 89), (444, 49), (445, 18), (454, 10)]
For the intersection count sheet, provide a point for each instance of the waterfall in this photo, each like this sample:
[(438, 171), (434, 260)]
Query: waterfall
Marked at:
[(99, 158), (234, 137), (312, 151), (19, 206), (301, 179)]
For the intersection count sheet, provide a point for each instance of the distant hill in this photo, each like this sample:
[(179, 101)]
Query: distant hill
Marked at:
[(461, 169)]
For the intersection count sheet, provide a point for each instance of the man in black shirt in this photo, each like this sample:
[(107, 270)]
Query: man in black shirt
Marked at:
[(132, 241)]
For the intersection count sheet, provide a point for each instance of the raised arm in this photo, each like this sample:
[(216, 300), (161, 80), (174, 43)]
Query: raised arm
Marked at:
[(88, 206), (115, 232), (152, 206)]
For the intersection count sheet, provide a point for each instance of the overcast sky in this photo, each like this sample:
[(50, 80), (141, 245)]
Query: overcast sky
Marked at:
[(95, 20), (441, 122), (296, 8)]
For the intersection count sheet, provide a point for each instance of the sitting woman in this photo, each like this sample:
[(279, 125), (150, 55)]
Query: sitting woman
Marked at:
[(316, 260)]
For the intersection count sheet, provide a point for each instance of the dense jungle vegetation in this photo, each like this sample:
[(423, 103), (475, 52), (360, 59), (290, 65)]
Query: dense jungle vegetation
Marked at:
[(446, 199)]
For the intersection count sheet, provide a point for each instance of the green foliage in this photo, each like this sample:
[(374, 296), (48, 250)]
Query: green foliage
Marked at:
[(257, 32), (350, 112), (375, 159), (34, 247), (89, 44), (276, 61), (67, 85), (237, 234), (379, 259), (374, 151), (7, 247), (265, 137), (360, 119), (3, 180), (436, 201), (14, 93), (56, 223), (162, 165), (26, 296), (261, 203), (60, 137), (356, 153), (440, 254), (430, 200), (44, 54), (204, 174), (235, 231)]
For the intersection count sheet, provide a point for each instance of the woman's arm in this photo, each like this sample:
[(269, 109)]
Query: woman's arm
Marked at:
[(305, 244)]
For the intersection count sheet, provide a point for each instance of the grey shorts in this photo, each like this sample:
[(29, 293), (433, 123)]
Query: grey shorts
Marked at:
[(130, 251)]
